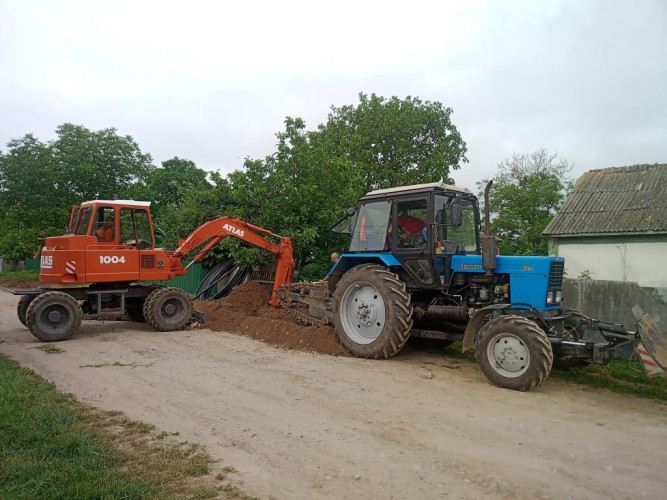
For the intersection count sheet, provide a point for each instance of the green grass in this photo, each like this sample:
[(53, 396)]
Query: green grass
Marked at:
[(626, 377), (54, 447), (19, 276), (49, 348), (116, 363)]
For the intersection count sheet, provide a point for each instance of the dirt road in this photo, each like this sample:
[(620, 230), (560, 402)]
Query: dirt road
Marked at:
[(300, 425)]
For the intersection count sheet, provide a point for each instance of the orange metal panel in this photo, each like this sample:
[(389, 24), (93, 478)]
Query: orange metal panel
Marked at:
[(111, 263), (62, 266)]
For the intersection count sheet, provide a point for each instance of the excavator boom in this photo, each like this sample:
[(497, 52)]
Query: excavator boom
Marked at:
[(210, 233)]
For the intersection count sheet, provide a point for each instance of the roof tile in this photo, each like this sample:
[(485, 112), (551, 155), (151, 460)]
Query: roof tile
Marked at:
[(615, 200)]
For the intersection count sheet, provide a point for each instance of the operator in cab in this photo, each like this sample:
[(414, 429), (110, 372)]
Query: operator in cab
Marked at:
[(106, 232)]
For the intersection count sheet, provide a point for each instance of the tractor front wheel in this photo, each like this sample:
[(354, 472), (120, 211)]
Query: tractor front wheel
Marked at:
[(53, 316), (168, 309), (514, 353), (372, 312)]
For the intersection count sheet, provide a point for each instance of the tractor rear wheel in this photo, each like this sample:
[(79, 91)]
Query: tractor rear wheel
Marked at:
[(514, 353), (22, 307), (53, 316), (168, 309), (372, 312)]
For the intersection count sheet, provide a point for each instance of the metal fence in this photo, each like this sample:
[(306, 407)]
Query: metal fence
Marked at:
[(188, 282), (32, 264)]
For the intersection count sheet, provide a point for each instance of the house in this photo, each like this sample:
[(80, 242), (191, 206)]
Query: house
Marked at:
[(613, 226)]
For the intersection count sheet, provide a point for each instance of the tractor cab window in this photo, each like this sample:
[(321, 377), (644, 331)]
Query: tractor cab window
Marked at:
[(135, 229), (104, 227), (451, 236), (411, 224), (370, 231), (82, 222), (346, 224)]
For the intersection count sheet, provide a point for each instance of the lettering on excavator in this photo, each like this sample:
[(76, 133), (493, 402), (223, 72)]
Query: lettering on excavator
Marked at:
[(233, 230)]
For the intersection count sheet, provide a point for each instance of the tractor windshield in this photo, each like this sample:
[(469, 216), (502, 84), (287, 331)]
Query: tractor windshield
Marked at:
[(455, 238), (370, 231)]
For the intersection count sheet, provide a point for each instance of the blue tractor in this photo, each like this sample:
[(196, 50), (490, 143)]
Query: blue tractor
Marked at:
[(418, 265)]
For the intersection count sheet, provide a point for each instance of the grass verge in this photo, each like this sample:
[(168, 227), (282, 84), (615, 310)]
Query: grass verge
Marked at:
[(53, 447), (626, 377)]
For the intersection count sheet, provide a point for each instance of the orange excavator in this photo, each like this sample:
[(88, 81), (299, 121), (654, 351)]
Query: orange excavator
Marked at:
[(107, 252)]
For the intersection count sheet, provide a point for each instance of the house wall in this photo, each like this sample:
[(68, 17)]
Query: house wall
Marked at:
[(641, 261)]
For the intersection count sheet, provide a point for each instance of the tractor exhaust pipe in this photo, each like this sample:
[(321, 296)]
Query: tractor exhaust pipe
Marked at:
[(489, 250)]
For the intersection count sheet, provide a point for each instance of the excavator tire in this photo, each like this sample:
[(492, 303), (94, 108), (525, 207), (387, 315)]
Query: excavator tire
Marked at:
[(514, 353), (372, 312), (168, 309), (53, 316), (22, 307), (134, 309)]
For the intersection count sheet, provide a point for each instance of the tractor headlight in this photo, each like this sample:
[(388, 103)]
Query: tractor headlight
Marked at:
[(559, 296), (551, 296)]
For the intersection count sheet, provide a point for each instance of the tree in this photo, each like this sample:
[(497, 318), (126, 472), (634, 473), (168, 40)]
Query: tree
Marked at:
[(40, 182), (527, 192), (393, 142), (167, 186), (96, 165), (314, 176)]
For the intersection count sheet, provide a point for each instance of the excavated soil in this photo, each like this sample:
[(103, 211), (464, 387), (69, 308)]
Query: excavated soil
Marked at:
[(246, 311)]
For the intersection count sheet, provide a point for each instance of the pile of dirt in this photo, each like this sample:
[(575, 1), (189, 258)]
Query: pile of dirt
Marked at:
[(246, 311)]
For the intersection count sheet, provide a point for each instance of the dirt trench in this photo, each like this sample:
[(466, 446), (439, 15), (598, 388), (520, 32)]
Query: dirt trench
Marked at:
[(246, 311)]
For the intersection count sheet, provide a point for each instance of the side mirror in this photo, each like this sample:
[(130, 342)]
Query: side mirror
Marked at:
[(456, 213), (351, 212)]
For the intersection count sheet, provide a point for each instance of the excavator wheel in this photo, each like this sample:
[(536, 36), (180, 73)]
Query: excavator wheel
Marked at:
[(168, 309), (22, 307), (372, 312), (514, 353), (134, 309), (53, 316)]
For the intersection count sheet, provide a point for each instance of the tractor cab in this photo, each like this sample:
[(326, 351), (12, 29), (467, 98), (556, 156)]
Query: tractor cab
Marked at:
[(417, 228)]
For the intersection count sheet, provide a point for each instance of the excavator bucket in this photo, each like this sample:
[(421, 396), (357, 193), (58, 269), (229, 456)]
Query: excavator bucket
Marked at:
[(653, 346)]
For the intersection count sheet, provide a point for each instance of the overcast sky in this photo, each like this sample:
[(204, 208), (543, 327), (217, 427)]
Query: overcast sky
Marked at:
[(213, 81)]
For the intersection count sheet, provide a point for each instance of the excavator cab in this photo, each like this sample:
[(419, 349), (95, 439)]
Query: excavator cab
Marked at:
[(105, 241)]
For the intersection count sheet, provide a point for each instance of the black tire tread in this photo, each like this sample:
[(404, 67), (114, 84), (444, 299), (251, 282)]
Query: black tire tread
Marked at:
[(152, 304), (22, 307), (542, 357), (46, 297), (397, 327)]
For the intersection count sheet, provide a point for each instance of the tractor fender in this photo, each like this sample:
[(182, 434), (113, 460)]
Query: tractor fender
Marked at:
[(348, 261), (475, 322)]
